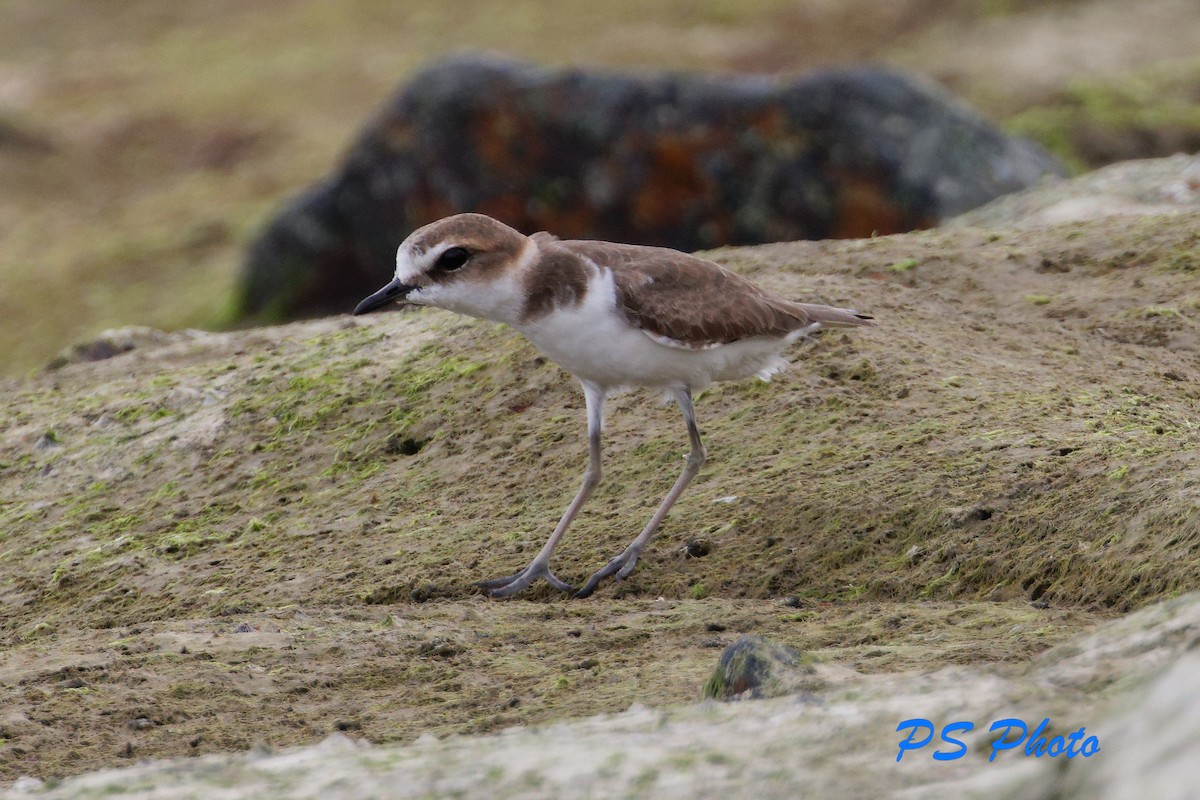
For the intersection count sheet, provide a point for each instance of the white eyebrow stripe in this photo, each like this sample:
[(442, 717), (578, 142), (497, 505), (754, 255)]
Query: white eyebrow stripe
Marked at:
[(407, 267)]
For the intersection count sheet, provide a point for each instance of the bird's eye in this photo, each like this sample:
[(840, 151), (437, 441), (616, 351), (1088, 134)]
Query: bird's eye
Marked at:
[(453, 258)]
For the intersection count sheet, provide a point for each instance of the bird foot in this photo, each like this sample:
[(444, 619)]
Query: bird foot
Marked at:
[(621, 566), (511, 584)]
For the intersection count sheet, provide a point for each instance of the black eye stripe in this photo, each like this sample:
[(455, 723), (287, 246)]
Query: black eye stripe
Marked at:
[(452, 258)]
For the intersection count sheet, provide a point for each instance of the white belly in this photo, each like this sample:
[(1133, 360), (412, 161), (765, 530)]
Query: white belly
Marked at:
[(595, 342)]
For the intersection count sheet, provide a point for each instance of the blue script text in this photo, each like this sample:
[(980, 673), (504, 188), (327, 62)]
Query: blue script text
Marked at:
[(921, 732)]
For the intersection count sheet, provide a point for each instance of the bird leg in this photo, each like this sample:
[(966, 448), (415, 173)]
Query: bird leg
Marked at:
[(623, 565), (540, 566)]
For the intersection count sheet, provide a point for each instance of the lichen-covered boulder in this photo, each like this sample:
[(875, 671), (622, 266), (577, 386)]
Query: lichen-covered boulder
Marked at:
[(681, 160)]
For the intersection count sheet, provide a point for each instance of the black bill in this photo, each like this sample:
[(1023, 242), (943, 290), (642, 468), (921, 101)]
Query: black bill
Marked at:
[(393, 292)]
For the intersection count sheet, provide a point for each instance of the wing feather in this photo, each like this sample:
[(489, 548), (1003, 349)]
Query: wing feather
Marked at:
[(690, 302)]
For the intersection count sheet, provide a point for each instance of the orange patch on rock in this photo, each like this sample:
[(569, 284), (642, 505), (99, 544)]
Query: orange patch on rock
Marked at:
[(674, 182), (506, 142), (864, 209)]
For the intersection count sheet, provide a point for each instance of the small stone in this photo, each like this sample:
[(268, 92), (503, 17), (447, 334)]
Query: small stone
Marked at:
[(422, 593), (48, 439), (439, 647), (961, 516), (754, 667)]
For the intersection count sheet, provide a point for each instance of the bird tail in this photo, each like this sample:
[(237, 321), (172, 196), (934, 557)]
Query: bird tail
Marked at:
[(830, 316)]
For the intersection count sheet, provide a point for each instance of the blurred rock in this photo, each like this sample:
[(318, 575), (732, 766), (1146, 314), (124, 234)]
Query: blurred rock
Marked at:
[(116, 341), (18, 137), (753, 668), (1149, 186), (679, 160)]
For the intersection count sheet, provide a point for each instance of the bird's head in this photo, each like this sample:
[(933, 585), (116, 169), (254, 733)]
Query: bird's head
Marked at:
[(469, 263)]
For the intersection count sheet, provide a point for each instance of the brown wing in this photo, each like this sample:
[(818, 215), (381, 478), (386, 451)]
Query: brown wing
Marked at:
[(694, 302)]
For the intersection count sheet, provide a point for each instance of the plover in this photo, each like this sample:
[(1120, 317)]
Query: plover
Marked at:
[(614, 316)]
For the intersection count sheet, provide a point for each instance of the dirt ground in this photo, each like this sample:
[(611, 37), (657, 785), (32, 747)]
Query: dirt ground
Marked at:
[(265, 536)]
